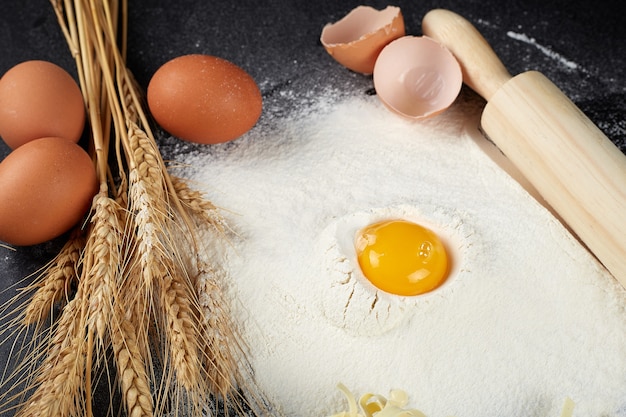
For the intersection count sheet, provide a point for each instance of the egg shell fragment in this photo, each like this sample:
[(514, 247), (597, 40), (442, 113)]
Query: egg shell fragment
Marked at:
[(39, 99), (356, 40), (204, 99), (417, 77), (46, 187)]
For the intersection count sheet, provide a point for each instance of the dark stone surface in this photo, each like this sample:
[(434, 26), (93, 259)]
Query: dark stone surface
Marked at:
[(580, 45)]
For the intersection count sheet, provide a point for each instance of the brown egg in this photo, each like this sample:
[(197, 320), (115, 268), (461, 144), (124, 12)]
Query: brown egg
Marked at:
[(204, 99), (417, 77), (356, 40), (46, 187), (39, 99)]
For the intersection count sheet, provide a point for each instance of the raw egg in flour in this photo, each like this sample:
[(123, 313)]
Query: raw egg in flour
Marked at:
[(401, 257), (39, 99), (204, 99)]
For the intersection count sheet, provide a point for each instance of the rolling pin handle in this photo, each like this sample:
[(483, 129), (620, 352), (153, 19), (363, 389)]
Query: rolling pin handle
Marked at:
[(482, 70)]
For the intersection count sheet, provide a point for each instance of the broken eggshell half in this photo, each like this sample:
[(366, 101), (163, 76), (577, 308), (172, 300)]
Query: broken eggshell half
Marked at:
[(417, 77), (356, 40)]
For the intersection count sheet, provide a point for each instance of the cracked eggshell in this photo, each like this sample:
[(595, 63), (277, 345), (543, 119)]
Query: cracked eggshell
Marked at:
[(417, 77), (356, 40)]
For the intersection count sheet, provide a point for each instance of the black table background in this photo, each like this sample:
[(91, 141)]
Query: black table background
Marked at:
[(277, 42)]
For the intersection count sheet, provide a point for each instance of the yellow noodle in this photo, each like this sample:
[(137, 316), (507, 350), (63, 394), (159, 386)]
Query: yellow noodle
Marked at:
[(370, 405)]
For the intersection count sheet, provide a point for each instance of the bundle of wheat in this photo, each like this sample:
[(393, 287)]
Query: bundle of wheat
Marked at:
[(134, 286)]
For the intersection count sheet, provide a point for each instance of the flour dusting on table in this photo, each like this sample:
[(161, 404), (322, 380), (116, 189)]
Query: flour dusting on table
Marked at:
[(526, 319)]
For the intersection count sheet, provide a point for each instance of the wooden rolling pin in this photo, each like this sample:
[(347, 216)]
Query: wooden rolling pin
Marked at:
[(578, 171)]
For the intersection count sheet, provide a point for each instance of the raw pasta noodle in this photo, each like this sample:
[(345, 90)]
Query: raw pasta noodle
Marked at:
[(377, 405), (374, 404), (568, 408)]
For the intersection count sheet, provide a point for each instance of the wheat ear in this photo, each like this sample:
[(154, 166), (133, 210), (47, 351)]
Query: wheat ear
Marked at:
[(102, 262), (180, 318), (195, 202), (55, 282), (60, 378), (131, 370), (220, 346)]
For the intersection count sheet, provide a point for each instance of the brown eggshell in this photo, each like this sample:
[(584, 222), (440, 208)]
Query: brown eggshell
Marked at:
[(356, 40), (39, 99), (417, 77), (46, 187), (204, 99)]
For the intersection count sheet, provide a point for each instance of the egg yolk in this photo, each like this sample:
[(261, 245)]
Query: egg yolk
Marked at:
[(401, 257)]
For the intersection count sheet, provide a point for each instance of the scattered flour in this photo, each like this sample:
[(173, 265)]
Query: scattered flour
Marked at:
[(547, 51), (526, 319)]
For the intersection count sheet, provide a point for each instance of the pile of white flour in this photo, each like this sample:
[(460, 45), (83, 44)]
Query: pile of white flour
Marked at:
[(526, 319)]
